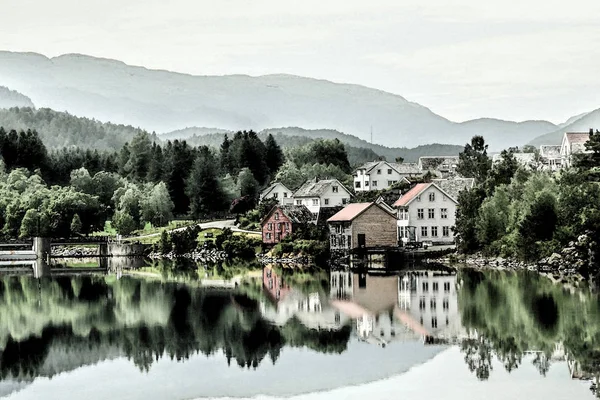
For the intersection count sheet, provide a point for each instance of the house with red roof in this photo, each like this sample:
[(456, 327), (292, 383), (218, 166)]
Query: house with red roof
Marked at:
[(573, 143), (427, 213), (362, 225)]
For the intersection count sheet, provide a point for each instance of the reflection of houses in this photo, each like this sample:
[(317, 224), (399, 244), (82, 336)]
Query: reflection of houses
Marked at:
[(362, 225), (282, 221), (340, 284), (430, 297), (312, 310), (380, 175), (277, 191), (316, 194), (426, 212), (573, 143)]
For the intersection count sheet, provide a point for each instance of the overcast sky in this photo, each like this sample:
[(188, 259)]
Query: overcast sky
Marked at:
[(509, 59)]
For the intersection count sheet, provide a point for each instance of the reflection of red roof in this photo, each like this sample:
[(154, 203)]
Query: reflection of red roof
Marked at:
[(350, 212), (411, 194), (577, 137)]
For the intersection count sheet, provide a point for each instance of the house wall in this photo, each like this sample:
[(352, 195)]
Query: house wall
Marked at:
[(378, 226), (281, 193), (328, 199), (440, 202), (276, 227), (376, 181), (340, 236)]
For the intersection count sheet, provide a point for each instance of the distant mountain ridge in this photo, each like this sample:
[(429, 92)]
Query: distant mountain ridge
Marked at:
[(164, 101), (580, 123)]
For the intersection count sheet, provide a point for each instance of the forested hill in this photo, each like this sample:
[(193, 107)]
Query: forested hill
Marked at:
[(10, 98), (60, 129), (359, 151)]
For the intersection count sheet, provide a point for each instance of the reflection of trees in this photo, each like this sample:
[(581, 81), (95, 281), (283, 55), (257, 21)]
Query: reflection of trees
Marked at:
[(514, 313), (144, 319)]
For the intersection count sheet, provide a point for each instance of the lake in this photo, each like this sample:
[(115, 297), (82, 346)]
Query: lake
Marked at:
[(417, 333)]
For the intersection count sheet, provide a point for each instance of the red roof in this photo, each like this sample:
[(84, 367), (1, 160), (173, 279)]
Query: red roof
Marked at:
[(411, 194), (578, 137), (350, 212)]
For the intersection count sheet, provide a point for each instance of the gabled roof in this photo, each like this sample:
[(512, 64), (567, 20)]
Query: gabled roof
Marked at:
[(550, 151), (401, 168), (454, 186), (316, 188), (577, 137), (413, 193), (270, 188), (296, 214), (434, 162), (351, 211)]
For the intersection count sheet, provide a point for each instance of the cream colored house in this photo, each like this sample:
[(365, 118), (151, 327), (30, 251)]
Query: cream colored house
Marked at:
[(426, 213), (380, 175), (279, 192), (316, 194), (572, 143)]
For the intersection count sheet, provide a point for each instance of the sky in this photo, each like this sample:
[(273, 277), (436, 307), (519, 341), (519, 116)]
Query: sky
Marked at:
[(464, 59)]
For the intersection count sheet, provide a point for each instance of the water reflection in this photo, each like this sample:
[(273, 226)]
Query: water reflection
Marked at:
[(58, 323)]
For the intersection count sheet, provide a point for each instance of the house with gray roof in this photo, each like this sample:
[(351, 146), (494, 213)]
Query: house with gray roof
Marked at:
[(317, 194), (380, 175), (454, 186), (550, 157), (440, 166), (279, 192)]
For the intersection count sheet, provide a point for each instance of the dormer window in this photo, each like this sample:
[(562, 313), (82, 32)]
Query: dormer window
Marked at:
[(276, 216)]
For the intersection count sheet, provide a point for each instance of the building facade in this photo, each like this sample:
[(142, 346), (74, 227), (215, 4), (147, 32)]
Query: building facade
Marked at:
[(362, 225), (573, 143), (281, 221), (550, 157), (426, 213), (278, 191), (316, 194), (380, 175)]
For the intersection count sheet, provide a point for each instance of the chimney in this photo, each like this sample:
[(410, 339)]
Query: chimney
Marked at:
[(591, 131)]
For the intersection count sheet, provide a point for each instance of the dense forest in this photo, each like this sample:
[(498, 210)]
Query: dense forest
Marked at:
[(68, 191), (528, 213)]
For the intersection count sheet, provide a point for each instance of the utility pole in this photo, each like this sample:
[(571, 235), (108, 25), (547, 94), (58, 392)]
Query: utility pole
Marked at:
[(371, 134)]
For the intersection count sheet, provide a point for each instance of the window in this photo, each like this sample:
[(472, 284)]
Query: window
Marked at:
[(287, 226), (378, 172), (444, 213), (270, 226), (434, 231), (445, 304), (431, 213), (315, 202), (433, 304), (420, 213), (389, 171), (434, 322), (357, 185), (285, 195), (424, 231), (277, 237), (275, 195), (298, 202), (276, 216), (446, 286), (425, 286), (432, 196), (334, 189), (269, 236), (345, 200), (422, 303), (279, 226), (445, 231), (326, 202), (366, 183), (435, 286), (390, 183), (374, 183)]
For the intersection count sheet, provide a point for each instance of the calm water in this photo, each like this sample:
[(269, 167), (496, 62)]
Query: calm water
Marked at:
[(321, 335)]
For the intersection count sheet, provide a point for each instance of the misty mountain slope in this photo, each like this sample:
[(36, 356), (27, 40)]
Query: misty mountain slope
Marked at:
[(59, 129), (582, 123), (164, 101), (10, 98)]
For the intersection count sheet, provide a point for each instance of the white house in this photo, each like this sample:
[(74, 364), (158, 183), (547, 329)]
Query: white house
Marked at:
[(573, 143), (380, 175), (550, 157), (279, 192), (316, 194), (426, 212)]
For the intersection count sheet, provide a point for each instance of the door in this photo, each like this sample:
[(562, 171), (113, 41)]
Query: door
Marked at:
[(362, 241)]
